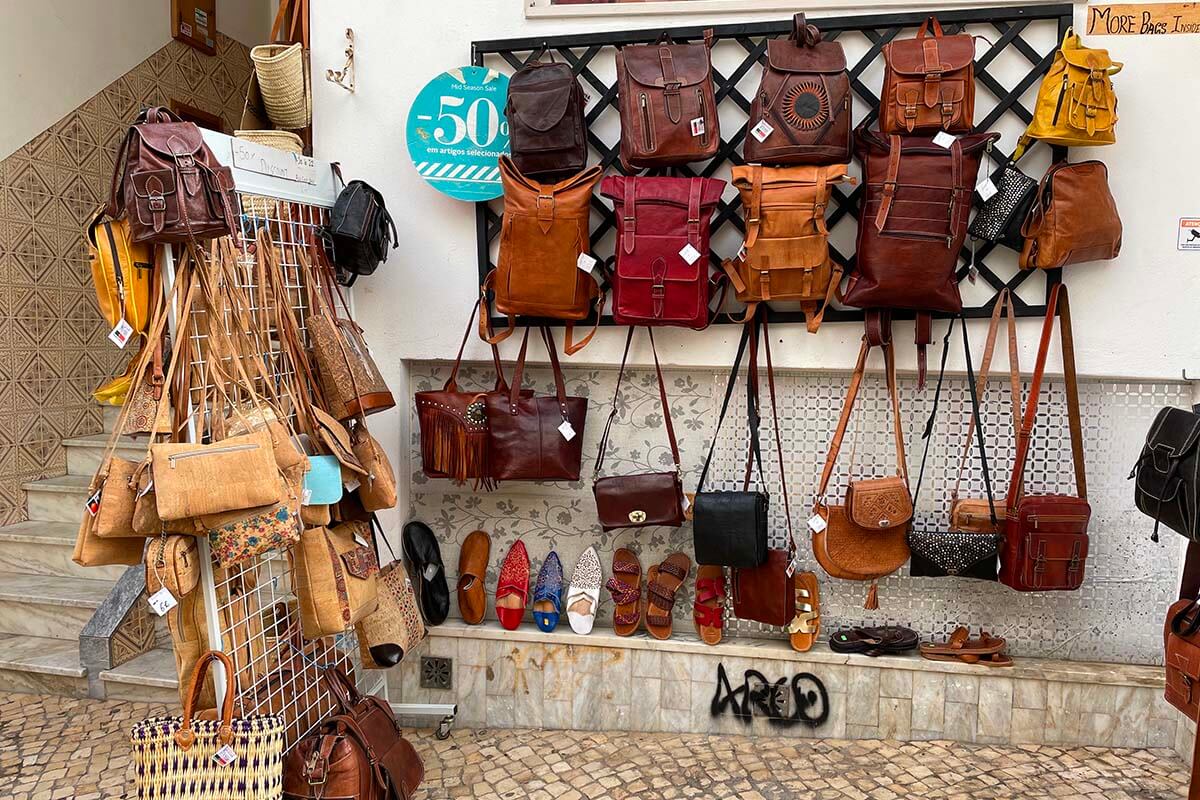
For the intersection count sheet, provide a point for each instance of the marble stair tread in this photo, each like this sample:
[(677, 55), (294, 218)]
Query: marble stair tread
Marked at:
[(155, 668), (41, 532), (72, 484), (127, 446), (53, 591), (40, 655)]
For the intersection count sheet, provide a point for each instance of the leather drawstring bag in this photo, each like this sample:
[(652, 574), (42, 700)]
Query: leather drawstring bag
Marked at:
[(1045, 536), (547, 126), (662, 261), (395, 627), (928, 82), (334, 573), (866, 537), (534, 438), (1167, 488), (801, 111), (786, 253), (1073, 219), (651, 498), (543, 234)]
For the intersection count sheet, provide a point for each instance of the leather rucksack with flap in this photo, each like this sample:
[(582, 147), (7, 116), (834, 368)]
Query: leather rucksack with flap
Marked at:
[(548, 132), (929, 82)]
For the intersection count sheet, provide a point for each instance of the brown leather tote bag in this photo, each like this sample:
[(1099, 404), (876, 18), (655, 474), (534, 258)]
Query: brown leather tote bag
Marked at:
[(535, 438), (545, 229), (545, 113), (801, 112), (668, 108), (928, 82), (1074, 218)]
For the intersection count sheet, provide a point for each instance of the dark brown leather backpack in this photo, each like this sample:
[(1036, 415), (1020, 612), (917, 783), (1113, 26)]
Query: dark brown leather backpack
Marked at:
[(801, 112), (169, 183), (545, 116), (929, 83), (668, 108)]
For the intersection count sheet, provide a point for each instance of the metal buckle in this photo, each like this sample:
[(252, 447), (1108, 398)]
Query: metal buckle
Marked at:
[(673, 87), (157, 203), (637, 517)]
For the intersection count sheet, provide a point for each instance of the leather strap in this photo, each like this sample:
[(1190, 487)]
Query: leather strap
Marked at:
[(695, 185), (754, 217), (452, 381), (803, 34), (662, 396), (889, 183), (732, 382), (787, 510), (485, 321), (184, 737), (930, 22), (559, 386)]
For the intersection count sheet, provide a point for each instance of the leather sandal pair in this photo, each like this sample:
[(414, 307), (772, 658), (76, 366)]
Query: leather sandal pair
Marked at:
[(986, 650), (631, 609)]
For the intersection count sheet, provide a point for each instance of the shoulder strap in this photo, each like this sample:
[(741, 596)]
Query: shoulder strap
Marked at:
[(787, 509), (452, 381), (733, 374), (662, 396)]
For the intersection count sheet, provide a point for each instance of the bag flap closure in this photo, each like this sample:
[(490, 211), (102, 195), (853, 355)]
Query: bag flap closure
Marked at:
[(171, 138), (541, 104), (867, 139), (644, 63), (954, 552), (153, 183), (879, 503), (801, 177), (360, 562), (1176, 431), (672, 191), (1087, 58), (784, 55), (337, 439), (954, 53)]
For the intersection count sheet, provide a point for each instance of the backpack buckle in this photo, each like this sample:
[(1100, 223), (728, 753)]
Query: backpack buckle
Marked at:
[(157, 203)]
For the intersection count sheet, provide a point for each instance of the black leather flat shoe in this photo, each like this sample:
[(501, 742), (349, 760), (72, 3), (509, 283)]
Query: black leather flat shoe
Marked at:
[(427, 571)]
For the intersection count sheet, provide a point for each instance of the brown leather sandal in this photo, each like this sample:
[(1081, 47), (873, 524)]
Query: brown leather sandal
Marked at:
[(806, 626), (986, 650), (708, 605), (663, 582), (625, 587)]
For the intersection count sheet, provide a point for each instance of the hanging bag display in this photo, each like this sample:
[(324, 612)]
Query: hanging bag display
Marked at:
[(1076, 104), (543, 234), (334, 571), (638, 501), (662, 260), (1073, 219), (668, 108), (928, 83), (1045, 536), (547, 127), (360, 231), (1167, 486), (786, 253), (801, 111)]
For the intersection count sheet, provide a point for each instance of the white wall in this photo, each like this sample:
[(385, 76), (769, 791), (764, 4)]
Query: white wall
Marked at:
[(54, 54), (1133, 317)]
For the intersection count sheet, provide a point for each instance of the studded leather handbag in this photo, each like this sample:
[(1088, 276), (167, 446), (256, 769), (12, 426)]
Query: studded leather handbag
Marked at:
[(1002, 215), (928, 82), (801, 111), (1073, 219), (548, 130)]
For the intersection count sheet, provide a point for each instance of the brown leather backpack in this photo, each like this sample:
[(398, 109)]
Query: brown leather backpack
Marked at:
[(1074, 218), (668, 108), (169, 183), (545, 230), (787, 243), (801, 112), (929, 82), (548, 132)]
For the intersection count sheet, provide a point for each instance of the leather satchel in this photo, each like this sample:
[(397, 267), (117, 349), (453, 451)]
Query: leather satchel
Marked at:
[(534, 438), (801, 112), (1181, 638), (360, 231), (668, 108), (544, 231), (928, 82), (786, 252), (169, 183), (662, 260), (1045, 536), (639, 501), (1073, 219), (334, 575), (547, 128), (1167, 488)]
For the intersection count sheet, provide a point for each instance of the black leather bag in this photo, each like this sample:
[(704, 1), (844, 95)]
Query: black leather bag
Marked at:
[(546, 120), (1167, 488), (360, 231), (1002, 214)]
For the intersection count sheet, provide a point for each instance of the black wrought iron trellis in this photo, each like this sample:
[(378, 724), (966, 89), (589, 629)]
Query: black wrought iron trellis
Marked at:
[(581, 50)]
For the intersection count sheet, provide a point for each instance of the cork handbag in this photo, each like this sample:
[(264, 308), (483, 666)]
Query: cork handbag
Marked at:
[(395, 627), (334, 571)]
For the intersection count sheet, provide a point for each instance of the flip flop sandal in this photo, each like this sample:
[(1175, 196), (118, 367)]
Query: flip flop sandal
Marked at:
[(422, 551), (472, 572), (583, 597), (874, 642), (663, 582), (512, 590), (806, 625), (708, 609), (625, 587), (547, 594)]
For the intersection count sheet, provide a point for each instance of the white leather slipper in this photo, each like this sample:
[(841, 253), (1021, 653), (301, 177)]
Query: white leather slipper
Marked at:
[(583, 597)]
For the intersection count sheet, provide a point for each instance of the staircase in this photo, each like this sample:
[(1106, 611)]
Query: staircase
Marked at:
[(46, 599)]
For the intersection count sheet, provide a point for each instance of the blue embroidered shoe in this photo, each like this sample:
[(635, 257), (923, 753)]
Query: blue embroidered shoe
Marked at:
[(547, 593)]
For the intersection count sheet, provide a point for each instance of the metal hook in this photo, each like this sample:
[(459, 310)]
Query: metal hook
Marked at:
[(344, 77), (1186, 378)]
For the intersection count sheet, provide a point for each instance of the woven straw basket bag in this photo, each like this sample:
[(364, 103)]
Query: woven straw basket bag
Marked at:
[(283, 81)]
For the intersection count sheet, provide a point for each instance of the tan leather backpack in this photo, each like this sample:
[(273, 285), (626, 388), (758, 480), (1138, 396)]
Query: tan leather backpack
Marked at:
[(786, 255), (545, 230), (929, 83)]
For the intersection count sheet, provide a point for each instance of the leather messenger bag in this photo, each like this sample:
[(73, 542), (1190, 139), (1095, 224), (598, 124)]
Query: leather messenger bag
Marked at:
[(929, 82)]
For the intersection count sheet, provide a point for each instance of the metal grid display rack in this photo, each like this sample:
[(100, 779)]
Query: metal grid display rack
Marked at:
[(1014, 50)]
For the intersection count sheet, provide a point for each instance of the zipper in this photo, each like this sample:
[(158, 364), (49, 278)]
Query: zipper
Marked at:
[(1053, 519), (1062, 95), (700, 103), (647, 141), (116, 256), (209, 452)]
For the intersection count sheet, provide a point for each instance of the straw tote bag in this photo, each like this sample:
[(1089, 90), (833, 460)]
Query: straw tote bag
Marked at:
[(183, 758), (282, 69)]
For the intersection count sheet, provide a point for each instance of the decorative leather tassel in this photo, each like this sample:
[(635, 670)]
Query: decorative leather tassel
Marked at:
[(872, 597)]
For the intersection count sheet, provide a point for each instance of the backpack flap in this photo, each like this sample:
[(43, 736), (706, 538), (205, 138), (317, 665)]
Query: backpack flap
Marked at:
[(784, 55), (543, 109), (915, 58), (1174, 436), (646, 64)]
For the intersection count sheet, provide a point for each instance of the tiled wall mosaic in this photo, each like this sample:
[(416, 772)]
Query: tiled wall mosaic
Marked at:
[(1115, 617), (54, 348)]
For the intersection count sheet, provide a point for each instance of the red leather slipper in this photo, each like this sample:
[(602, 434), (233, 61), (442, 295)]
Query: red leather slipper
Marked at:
[(512, 590)]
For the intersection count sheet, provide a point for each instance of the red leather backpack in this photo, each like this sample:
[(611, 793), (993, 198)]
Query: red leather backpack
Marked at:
[(662, 261)]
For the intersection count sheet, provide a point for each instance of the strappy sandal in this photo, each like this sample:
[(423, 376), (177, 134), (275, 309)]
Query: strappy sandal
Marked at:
[(625, 587), (708, 608), (663, 582), (986, 650), (806, 625)]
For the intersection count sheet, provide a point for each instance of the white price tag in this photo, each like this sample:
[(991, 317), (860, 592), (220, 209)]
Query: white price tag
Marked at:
[(361, 540), (93, 503), (944, 139), (698, 126), (352, 485), (791, 568), (225, 756), (687, 504), (689, 254), (306, 498), (762, 130), (162, 601), (795, 565), (742, 252), (987, 190), (121, 333), (585, 263), (148, 489), (566, 430), (817, 523), (431, 571)]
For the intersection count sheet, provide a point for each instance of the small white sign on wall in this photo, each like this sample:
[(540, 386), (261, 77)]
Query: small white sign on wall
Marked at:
[(265, 160), (1189, 233)]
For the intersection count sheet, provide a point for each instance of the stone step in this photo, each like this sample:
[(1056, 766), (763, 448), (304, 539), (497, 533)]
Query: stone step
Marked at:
[(45, 548), (37, 665), (149, 678), (47, 606), (84, 453), (58, 499), (110, 416)]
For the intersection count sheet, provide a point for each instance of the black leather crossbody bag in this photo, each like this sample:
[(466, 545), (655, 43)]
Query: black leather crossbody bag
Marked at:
[(1167, 488), (1002, 214)]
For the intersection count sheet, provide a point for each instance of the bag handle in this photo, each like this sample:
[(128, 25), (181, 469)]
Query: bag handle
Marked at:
[(298, 22), (662, 396), (803, 34), (452, 381), (1057, 303), (519, 372), (185, 737), (931, 22), (729, 386)]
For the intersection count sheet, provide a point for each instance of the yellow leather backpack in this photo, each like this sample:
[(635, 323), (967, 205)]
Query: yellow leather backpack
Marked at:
[(1076, 105), (122, 271)]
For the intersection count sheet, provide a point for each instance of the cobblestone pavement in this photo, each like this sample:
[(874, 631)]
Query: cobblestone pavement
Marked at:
[(54, 747)]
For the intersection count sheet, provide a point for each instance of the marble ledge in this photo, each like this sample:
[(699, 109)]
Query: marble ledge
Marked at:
[(778, 650)]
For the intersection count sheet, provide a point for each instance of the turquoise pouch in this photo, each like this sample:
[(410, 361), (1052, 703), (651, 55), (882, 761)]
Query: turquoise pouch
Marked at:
[(323, 481)]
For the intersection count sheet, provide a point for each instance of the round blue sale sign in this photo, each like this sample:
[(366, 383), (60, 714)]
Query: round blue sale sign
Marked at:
[(457, 132)]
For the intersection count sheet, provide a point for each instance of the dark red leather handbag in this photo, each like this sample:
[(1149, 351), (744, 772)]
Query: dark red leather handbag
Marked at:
[(638, 501), (662, 261), (1045, 535)]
